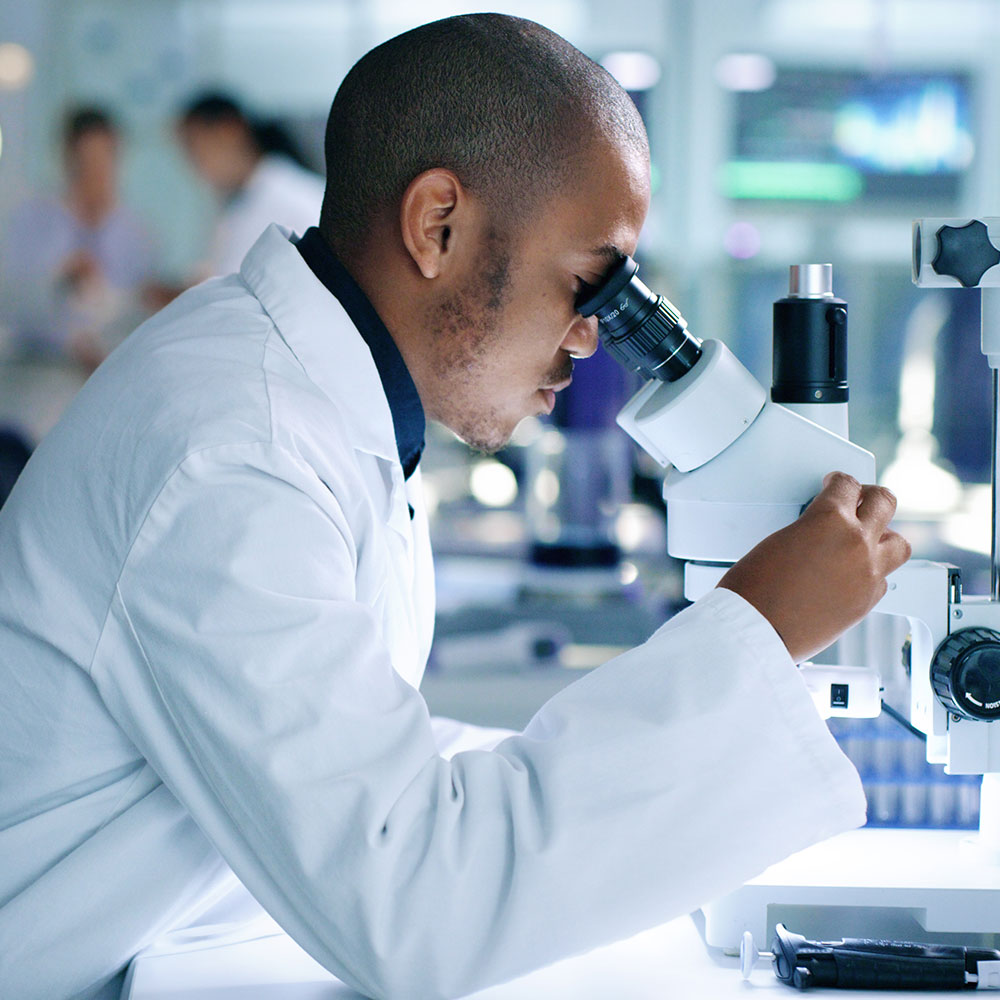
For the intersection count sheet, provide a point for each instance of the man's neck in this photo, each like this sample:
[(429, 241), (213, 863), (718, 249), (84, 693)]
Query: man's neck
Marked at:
[(396, 298)]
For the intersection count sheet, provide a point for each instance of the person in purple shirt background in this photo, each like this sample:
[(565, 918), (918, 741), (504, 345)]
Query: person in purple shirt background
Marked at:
[(74, 266)]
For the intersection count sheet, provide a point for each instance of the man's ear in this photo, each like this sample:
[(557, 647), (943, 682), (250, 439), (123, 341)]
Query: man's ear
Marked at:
[(427, 216)]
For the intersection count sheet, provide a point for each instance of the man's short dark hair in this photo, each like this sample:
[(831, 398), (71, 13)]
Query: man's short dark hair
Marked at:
[(212, 107), (81, 121), (503, 102)]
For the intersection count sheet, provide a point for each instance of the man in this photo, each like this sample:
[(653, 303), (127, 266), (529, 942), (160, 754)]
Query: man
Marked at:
[(216, 601), (257, 180), (74, 267)]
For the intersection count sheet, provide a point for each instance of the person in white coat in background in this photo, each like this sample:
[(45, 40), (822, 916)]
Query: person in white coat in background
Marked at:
[(216, 600), (254, 170)]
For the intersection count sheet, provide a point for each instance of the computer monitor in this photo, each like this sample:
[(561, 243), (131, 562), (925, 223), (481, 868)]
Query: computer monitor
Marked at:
[(848, 135)]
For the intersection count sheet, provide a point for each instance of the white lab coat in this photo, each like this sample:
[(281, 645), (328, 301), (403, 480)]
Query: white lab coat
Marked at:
[(214, 615), (278, 190)]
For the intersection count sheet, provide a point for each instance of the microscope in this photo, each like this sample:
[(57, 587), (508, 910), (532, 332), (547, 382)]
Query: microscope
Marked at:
[(740, 464)]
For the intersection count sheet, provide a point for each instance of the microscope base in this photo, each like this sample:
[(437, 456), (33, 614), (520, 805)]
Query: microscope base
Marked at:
[(910, 885)]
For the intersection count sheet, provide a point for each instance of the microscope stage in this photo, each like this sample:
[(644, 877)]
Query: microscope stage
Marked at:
[(912, 885)]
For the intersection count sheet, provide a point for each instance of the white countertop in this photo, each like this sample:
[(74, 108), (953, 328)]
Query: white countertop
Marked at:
[(671, 962)]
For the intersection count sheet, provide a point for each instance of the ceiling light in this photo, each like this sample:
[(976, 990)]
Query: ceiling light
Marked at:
[(635, 71), (745, 71), (16, 66)]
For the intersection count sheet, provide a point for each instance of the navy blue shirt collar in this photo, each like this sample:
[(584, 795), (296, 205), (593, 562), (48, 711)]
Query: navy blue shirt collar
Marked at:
[(404, 404)]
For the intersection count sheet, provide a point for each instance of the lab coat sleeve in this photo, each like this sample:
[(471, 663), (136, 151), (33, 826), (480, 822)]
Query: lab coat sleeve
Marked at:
[(240, 662)]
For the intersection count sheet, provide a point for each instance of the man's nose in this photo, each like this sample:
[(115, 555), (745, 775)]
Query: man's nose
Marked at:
[(582, 339)]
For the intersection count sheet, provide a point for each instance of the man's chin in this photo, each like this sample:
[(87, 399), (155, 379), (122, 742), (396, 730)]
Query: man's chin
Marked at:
[(485, 441), (489, 446), (487, 432)]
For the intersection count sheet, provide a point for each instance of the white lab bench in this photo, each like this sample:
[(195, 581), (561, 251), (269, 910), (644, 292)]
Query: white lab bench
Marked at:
[(671, 961)]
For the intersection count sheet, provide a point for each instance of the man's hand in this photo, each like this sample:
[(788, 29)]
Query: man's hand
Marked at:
[(824, 573)]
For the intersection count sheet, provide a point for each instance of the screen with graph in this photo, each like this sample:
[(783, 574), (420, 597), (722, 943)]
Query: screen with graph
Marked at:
[(838, 135)]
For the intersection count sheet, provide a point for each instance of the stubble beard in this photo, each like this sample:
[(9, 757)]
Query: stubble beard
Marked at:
[(464, 329)]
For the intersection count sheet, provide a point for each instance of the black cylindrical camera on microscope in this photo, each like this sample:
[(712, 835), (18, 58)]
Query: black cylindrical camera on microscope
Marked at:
[(810, 339)]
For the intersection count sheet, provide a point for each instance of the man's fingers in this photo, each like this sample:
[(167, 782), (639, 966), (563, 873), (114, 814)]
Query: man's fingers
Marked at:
[(876, 506), (894, 549), (839, 489)]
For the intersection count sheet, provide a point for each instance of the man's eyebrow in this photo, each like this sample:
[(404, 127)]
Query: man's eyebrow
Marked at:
[(608, 252)]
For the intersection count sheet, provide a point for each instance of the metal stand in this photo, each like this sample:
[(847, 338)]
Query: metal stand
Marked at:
[(989, 324), (990, 341)]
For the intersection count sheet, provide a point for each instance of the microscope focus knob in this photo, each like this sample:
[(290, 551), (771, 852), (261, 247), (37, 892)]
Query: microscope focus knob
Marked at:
[(965, 673), (965, 252)]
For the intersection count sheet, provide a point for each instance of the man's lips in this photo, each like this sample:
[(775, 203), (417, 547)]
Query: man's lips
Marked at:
[(558, 386), (549, 393)]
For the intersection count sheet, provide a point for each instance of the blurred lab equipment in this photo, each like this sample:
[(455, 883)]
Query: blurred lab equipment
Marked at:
[(903, 789), (521, 646), (740, 466), (74, 267), (578, 475), (256, 172), (962, 396)]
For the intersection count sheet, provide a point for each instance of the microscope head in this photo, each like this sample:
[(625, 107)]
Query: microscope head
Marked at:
[(739, 466)]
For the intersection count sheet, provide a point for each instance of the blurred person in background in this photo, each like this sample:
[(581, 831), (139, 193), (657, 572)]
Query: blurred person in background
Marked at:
[(256, 172), (74, 267)]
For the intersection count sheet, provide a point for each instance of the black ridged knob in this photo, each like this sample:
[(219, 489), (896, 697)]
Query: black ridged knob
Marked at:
[(965, 252), (965, 673)]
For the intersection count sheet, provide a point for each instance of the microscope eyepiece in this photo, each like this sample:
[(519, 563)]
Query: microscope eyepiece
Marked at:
[(643, 331)]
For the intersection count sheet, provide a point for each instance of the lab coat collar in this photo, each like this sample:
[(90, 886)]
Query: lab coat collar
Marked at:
[(407, 411), (321, 335)]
